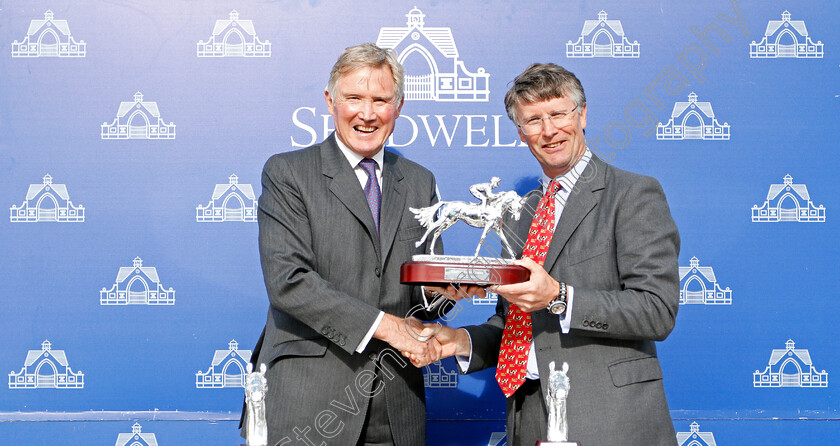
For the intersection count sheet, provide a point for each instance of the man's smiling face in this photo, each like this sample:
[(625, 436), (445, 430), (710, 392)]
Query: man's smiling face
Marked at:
[(364, 109), (556, 147)]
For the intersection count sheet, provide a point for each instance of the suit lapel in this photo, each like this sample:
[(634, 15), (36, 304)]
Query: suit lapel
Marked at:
[(393, 203), (345, 186), (581, 201)]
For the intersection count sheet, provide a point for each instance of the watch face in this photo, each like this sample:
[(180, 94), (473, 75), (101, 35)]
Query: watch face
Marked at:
[(557, 307)]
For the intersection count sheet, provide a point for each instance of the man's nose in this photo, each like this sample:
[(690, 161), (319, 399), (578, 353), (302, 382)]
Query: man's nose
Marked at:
[(549, 128), (366, 110)]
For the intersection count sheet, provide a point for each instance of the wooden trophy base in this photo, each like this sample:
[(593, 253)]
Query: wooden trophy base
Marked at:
[(461, 270)]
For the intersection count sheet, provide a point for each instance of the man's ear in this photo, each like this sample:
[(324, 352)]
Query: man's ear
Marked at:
[(330, 103)]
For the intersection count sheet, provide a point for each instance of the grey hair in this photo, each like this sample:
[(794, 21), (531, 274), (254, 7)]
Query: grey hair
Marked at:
[(370, 56), (543, 82)]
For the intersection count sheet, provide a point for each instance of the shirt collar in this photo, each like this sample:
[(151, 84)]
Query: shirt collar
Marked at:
[(568, 179), (353, 158)]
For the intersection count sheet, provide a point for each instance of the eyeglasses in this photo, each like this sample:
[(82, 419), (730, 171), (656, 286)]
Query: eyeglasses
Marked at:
[(357, 103), (535, 124)]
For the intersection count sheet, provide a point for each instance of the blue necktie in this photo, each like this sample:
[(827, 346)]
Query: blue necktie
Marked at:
[(372, 192)]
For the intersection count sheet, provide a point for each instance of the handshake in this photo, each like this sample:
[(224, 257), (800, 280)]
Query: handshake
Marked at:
[(425, 343)]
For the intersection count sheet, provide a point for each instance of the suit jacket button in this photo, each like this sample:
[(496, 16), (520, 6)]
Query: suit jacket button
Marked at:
[(585, 323), (377, 271), (606, 326), (325, 330), (341, 342), (598, 325), (372, 356)]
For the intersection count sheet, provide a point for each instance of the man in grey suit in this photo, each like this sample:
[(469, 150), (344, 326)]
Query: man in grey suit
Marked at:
[(608, 287), (331, 244)]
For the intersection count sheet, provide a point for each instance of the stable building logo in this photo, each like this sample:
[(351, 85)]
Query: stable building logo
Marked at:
[(602, 38), (692, 120), (497, 439), (695, 437), (435, 376), (233, 37), (46, 369), (230, 202), (788, 202), (138, 119), (786, 38), (49, 38), (137, 285), (698, 285), (790, 367), (433, 69), (47, 202), (136, 437), (226, 370), (489, 299)]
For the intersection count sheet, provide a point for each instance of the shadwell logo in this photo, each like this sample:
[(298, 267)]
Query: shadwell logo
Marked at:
[(434, 71)]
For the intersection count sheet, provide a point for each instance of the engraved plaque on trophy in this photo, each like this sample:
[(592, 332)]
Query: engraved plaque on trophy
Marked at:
[(256, 429), (555, 401), (442, 270)]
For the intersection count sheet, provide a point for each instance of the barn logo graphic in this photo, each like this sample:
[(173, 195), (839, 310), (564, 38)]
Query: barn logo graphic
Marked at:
[(788, 202), (497, 439), (46, 369), (489, 299), (790, 367), (602, 38), (786, 38), (436, 376), (233, 37), (692, 120), (695, 438), (138, 119), (226, 370), (433, 68), (136, 437), (698, 285), (47, 202), (49, 38), (230, 202), (137, 285)]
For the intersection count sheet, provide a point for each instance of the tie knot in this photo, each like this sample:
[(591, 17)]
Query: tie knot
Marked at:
[(368, 165), (553, 187)]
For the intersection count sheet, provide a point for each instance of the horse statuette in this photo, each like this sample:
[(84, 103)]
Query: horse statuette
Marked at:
[(256, 431)]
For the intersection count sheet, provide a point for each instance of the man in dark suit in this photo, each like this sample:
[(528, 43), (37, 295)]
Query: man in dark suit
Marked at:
[(604, 285), (335, 227)]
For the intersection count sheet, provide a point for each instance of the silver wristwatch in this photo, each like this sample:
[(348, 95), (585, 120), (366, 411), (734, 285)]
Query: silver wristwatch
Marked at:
[(558, 305)]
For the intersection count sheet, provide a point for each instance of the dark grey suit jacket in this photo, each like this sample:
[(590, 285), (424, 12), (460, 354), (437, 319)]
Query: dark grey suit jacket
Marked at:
[(617, 245), (328, 274)]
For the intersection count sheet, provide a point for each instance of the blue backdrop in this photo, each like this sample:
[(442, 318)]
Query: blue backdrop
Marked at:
[(132, 136)]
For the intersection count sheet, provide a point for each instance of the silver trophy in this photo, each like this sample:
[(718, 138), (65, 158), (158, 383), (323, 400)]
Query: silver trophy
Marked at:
[(555, 401), (256, 430), (489, 214)]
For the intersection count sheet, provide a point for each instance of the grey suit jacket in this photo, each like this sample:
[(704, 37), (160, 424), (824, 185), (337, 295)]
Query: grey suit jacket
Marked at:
[(328, 274), (617, 245)]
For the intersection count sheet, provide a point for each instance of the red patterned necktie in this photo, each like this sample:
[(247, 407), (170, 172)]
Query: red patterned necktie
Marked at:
[(516, 338)]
